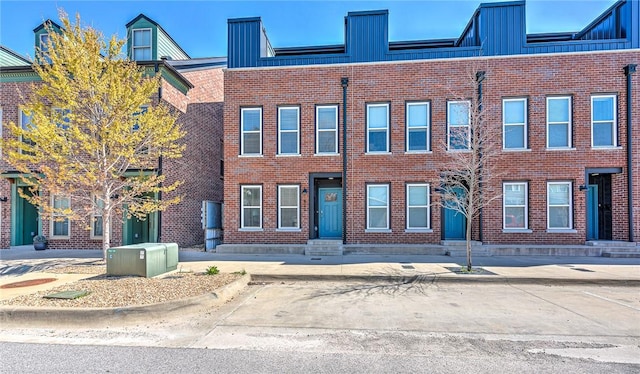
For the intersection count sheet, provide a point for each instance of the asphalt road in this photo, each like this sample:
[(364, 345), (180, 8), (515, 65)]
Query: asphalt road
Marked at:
[(359, 327)]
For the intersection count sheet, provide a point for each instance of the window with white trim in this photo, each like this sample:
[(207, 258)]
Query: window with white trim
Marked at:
[(327, 129), (515, 205), (458, 125), (377, 128), (61, 118), (288, 130), (603, 121), (141, 45), (289, 207), (251, 125), (97, 218), (514, 121), (559, 122), (44, 47), (559, 205), (251, 202), (418, 209), (25, 124), (417, 127), (59, 218), (378, 206)]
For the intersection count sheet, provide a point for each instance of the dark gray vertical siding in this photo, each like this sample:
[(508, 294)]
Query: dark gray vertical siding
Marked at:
[(367, 37), (503, 29), (634, 27), (243, 43)]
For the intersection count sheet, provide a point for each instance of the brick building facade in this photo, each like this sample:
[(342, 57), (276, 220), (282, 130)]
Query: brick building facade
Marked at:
[(194, 87), (565, 105)]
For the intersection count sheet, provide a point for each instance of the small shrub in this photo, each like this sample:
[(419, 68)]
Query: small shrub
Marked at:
[(243, 272), (212, 270)]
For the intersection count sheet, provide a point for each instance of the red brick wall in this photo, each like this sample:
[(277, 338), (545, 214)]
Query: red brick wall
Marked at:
[(534, 77)]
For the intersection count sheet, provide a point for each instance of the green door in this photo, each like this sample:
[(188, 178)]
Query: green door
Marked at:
[(28, 225), (592, 212), (330, 212), (454, 222)]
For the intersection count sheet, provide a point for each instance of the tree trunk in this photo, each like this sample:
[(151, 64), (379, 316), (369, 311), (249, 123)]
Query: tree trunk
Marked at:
[(468, 236), (106, 233)]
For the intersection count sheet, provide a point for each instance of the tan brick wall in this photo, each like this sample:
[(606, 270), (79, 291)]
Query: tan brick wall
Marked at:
[(534, 77)]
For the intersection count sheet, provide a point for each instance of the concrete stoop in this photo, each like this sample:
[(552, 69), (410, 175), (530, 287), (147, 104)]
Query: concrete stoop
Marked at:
[(323, 247)]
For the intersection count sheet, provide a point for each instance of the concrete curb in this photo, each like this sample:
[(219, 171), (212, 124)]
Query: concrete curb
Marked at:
[(35, 316), (435, 278)]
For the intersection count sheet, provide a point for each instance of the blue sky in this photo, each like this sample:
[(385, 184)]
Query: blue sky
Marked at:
[(200, 28)]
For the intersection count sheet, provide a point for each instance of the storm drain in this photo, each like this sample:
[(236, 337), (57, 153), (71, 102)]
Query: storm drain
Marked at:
[(407, 266)]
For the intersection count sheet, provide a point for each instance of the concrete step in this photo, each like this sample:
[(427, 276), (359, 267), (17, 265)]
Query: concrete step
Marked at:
[(324, 242), (316, 250), (544, 250), (612, 243), (462, 252), (284, 249), (618, 254), (394, 249)]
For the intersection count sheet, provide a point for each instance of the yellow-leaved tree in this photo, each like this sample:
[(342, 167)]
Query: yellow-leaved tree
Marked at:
[(96, 132)]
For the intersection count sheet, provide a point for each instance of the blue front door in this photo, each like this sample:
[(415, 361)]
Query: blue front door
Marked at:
[(592, 212), (454, 223), (330, 212)]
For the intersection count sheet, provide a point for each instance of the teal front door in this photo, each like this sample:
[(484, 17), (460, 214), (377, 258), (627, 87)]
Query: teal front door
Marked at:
[(330, 212), (592, 212), (29, 226), (454, 223)]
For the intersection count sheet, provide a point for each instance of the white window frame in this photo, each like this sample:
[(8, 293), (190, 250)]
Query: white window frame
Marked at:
[(94, 216), (22, 115), (386, 129), (569, 206), (568, 123), (55, 216), (281, 207), (525, 206), (134, 46), (425, 127), (319, 130), (386, 207), (450, 125), (524, 124), (614, 125), (243, 132), (427, 206), (281, 131), (242, 206)]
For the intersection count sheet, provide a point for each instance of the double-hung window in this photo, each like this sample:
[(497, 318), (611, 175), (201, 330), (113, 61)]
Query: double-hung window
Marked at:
[(603, 121), (515, 205), (559, 122), (61, 118), (417, 127), (559, 205), (97, 218), (141, 49), (288, 207), (25, 124), (44, 47), (458, 125), (59, 218), (378, 206), (377, 128), (251, 125), (514, 120), (288, 130), (251, 207), (418, 214), (327, 129)]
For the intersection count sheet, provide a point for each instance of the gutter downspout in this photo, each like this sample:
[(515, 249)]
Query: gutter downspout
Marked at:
[(344, 82), (479, 79), (159, 233), (628, 70)]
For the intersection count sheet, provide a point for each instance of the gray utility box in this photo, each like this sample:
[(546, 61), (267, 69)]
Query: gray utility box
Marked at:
[(144, 259)]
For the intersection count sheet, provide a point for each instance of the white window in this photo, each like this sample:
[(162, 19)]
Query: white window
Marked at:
[(514, 120), (288, 130), (59, 218), (44, 42), (458, 125), (251, 142), (288, 207), (251, 207), (377, 128), (25, 124), (417, 127), (515, 205), (61, 118), (378, 206), (327, 129), (141, 44), (559, 205), (603, 121), (418, 210), (96, 218), (559, 122)]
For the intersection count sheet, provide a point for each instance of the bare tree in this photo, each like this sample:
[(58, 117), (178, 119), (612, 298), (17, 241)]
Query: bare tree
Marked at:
[(468, 176)]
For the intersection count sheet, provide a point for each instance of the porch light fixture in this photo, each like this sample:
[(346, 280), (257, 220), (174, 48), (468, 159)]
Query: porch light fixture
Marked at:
[(583, 187), (4, 199), (304, 191)]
